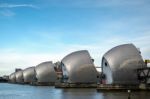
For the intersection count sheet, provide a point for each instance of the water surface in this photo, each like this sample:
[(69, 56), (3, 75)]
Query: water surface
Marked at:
[(15, 91)]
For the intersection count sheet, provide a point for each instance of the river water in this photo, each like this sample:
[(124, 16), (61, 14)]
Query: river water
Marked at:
[(15, 91)]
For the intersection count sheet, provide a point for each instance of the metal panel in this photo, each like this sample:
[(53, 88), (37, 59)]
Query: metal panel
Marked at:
[(120, 63), (144, 75), (45, 72), (12, 78), (29, 75), (19, 77), (79, 68)]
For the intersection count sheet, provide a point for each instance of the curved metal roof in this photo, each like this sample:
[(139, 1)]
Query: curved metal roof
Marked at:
[(19, 77), (12, 77), (120, 62), (29, 75), (45, 72), (79, 67)]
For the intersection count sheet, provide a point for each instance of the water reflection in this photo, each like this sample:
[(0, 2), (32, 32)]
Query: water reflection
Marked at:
[(80, 94), (14, 91), (124, 95)]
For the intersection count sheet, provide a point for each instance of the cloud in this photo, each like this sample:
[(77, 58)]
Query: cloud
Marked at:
[(7, 13), (95, 3), (6, 5), (12, 60)]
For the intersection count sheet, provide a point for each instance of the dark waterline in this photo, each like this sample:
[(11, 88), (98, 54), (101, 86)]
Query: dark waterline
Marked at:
[(15, 91)]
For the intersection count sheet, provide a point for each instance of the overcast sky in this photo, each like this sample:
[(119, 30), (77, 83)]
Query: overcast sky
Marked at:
[(34, 31)]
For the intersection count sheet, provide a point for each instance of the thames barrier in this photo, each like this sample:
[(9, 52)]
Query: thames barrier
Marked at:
[(122, 68)]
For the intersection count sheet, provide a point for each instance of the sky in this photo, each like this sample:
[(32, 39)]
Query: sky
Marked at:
[(34, 31)]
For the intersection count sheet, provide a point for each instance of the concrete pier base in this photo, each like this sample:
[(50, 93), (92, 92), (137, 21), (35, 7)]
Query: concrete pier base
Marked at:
[(103, 87), (43, 83), (73, 85)]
